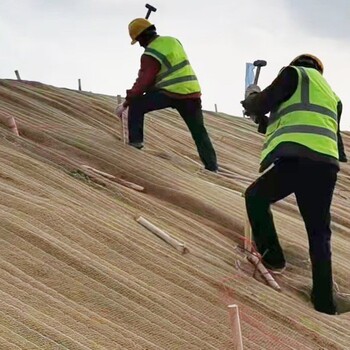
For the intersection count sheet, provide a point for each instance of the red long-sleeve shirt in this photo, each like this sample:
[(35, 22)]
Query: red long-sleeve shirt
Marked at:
[(146, 80)]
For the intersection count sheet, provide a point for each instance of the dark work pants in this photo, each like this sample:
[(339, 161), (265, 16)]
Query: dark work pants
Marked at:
[(313, 185), (341, 149), (190, 111)]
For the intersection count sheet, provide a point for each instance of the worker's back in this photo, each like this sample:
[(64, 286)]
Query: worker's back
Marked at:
[(306, 124), (176, 74)]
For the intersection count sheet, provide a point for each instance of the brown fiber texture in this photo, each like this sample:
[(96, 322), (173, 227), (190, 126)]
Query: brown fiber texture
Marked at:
[(78, 272)]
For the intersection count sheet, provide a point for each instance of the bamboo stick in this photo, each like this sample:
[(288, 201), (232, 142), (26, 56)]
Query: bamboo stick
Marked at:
[(236, 327), (231, 175), (247, 234), (113, 178), (251, 257), (263, 271), (191, 160), (163, 235)]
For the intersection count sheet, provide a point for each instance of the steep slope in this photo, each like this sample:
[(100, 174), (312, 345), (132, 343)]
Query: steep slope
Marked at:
[(77, 270)]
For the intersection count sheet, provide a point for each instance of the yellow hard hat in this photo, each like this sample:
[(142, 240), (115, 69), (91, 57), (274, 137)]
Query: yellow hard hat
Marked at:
[(312, 57), (136, 27)]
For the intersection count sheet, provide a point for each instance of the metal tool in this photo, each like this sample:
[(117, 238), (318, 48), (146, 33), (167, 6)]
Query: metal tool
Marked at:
[(258, 64), (150, 9)]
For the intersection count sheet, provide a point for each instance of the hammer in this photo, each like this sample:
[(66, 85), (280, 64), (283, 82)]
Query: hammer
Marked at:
[(150, 9), (259, 64)]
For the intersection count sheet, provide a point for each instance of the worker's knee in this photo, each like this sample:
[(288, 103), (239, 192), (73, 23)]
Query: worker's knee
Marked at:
[(250, 194), (254, 200)]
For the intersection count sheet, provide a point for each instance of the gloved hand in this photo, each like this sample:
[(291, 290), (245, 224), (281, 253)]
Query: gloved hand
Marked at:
[(343, 158), (263, 123), (119, 110), (246, 103), (252, 89), (255, 118)]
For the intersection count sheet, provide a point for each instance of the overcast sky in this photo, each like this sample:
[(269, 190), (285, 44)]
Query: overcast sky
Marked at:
[(58, 41)]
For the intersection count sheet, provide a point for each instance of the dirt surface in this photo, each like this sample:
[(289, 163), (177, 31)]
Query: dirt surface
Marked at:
[(78, 272)]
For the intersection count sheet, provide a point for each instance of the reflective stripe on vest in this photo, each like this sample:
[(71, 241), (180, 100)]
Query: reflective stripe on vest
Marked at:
[(172, 70), (302, 129), (176, 74), (176, 81), (305, 123), (305, 104), (160, 57)]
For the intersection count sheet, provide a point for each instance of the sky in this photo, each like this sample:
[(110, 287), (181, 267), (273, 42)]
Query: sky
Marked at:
[(58, 42)]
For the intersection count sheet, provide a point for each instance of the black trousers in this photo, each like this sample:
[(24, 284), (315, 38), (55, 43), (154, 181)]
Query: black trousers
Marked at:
[(313, 185), (190, 111)]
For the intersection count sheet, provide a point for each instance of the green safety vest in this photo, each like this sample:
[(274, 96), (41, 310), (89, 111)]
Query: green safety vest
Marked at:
[(176, 74), (309, 118)]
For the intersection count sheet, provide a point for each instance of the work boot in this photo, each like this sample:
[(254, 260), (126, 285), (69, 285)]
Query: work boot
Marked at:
[(214, 170), (275, 261), (138, 145), (276, 270), (322, 289)]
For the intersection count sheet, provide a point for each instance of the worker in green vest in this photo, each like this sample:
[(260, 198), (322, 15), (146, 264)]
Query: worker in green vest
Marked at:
[(302, 143), (165, 79)]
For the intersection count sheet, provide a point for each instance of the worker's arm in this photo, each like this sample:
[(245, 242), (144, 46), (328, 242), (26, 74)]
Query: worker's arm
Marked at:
[(341, 151), (281, 89), (146, 78)]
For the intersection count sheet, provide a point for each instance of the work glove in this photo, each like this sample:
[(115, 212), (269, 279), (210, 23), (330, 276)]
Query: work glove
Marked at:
[(263, 123), (252, 89), (343, 158), (119, 110)]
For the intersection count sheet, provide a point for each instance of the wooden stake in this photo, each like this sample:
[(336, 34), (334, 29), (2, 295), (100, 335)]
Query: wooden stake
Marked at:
[(216, 108), (79, 84), (17, 75), (124, 122), (9, 121), (163, 235), (124, 126), (236, 327), (13, 126)]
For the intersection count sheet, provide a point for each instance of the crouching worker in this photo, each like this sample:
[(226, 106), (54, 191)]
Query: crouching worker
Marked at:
[(302, 138), (165, 79)]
